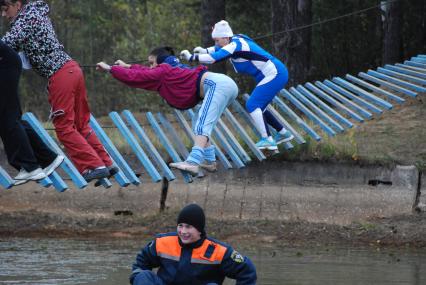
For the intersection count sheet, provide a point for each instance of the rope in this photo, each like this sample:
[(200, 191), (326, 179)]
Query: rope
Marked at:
[(94, 65), (325, 21)]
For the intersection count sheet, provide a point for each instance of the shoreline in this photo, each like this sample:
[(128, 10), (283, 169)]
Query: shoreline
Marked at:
[(398, 231), (295, 204)]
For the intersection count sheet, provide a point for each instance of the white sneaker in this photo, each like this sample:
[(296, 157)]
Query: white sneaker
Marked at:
[(35, 175), (51, 167), (20, 182), (192, 168)]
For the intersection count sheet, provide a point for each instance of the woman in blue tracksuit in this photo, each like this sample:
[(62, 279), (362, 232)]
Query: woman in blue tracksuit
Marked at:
[(247, 57)]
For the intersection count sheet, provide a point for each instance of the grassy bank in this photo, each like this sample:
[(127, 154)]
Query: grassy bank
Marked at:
[(397, 136)]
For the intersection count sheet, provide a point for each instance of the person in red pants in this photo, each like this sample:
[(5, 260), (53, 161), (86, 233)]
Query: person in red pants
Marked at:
[(31, 31)]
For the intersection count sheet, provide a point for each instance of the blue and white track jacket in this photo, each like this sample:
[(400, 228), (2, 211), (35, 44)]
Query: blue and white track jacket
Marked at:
[(247, 57)]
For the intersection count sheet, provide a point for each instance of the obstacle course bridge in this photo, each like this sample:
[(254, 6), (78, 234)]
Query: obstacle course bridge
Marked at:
[(332, 105)]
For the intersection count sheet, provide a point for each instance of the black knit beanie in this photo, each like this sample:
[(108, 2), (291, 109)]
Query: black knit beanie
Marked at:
[(193, 215)]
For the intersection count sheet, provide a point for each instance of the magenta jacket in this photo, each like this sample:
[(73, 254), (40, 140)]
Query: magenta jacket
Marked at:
[(178, 86)]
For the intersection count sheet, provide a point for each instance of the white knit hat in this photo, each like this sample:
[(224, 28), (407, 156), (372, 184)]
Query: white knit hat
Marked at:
[(222, 30)]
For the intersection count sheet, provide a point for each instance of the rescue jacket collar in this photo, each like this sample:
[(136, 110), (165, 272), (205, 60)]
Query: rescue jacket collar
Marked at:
[(196, 244)]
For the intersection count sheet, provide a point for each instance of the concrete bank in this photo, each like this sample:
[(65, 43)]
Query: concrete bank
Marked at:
[(313, 192)]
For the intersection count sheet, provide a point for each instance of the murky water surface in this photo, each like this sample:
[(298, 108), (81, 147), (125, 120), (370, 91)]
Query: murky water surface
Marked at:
[(90, 262)]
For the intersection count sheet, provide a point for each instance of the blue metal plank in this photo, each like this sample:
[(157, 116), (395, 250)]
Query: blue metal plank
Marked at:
[(402, 76), (5, 180), (243, 134), (177, 142), (175, 138), (297, 137), (246, 117), (128, 176), (46, 182), (185, 126), (233, 142), (419, 60), (400, 82), (307, 112), (58, 182), (224, 143), (137, 149), (143, 137), (67, 165), (410, 67), (228, 148), (375, 89), (387, 84), (311, 106), (341, 98), (334, 102), (287, 110), (324, 106), (168, 146), (249, 120), (405, 70), (353, 97), (361, 92), (413, 63)]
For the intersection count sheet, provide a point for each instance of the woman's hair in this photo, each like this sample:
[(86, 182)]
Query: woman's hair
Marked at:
[(7, 2), (161, 53)]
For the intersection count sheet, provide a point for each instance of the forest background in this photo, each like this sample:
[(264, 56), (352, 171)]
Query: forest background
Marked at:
[(317, 39)]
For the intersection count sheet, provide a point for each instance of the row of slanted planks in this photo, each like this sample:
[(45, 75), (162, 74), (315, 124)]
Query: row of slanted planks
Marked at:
[(332, 106)]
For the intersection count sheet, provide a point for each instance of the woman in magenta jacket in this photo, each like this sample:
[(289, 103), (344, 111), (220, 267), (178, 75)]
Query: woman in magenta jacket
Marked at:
[(183, 88)]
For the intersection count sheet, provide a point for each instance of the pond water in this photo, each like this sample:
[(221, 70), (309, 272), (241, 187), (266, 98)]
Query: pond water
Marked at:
[(106, 262)]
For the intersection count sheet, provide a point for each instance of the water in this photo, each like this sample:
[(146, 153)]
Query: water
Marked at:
[(96, 262)]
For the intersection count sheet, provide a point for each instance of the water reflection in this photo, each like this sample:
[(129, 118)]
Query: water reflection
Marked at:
[(61, 261), (89, 262), (342, 266)]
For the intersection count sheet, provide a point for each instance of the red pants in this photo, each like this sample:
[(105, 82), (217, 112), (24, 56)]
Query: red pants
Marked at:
[(71, 115)]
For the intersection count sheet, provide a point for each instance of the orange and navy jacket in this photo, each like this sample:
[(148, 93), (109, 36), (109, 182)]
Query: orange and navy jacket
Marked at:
[(205, 261)]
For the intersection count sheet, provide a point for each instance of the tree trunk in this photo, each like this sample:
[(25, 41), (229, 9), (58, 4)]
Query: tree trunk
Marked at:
[(392, 27), (211, 13), (294, 47)]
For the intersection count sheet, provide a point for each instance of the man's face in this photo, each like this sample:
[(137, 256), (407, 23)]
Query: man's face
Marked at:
[(152, 60), (221, 42), (187, 233), (11, 10)]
